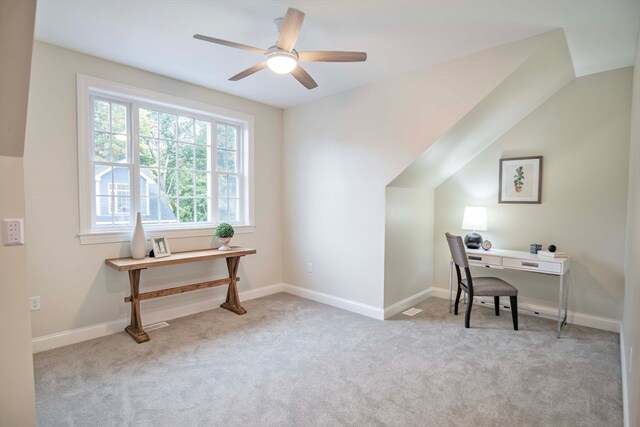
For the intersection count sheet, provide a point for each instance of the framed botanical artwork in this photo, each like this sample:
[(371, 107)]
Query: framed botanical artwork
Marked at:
[(520, 180), (160, 247)]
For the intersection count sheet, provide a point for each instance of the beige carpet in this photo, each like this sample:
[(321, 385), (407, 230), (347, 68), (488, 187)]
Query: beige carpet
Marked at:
[(294, 362)]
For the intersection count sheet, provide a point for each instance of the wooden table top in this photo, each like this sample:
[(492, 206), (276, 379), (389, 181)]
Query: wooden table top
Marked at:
[(125, 264)]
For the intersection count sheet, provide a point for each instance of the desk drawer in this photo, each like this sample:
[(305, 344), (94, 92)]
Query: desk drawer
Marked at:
[(478, 259), (531, 265)]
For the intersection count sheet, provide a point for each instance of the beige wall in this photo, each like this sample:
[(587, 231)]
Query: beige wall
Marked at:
[(17, 405), (76, 288), (341, 152), (631, 316), (583, 134), (17, 397)]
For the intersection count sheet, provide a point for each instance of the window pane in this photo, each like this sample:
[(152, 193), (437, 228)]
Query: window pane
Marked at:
[(202, 157), (185, 184), (232, 186), (148, 182), (148, 152), (101, 116), (118, 118), (202, 132), (102, 179), (168, 209), (231, 138), (103, 217), (167, 125), (185, 156), (220, 135), (186, 210), (202, 181), (222, 187), (169, 182), (148, 122), (223, 212), (119, 148), (185, 129), (202, 210), (233, 205), (220, 161), (102, 146), (230, 161), (167, 154), (149, 209)]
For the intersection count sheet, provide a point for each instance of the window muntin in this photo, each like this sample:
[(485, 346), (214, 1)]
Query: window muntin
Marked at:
[(172, 152)]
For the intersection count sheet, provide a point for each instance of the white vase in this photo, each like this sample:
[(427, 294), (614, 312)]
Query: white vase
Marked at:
[(225, 243), (138, 240)]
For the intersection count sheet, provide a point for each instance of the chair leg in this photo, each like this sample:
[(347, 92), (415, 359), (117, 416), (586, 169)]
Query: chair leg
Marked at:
[(514, 311), (455, 308), (496, 304), (467, 314)]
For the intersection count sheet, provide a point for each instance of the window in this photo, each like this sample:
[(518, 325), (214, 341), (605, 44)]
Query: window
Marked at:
[(183, 165)]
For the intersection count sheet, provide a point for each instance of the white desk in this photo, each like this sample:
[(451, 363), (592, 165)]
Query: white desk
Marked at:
[(523, 261)]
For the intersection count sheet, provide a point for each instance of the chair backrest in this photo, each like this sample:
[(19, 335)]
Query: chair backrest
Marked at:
[(458, 254)]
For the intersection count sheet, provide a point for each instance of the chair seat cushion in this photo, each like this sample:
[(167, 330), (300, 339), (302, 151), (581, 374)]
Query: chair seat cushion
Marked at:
[(491, 287)]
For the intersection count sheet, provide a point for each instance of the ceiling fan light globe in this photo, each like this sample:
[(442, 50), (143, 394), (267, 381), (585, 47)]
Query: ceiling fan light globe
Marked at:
[(282, 62)]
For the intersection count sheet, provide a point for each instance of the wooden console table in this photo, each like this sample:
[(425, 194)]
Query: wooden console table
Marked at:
[(135, 266)]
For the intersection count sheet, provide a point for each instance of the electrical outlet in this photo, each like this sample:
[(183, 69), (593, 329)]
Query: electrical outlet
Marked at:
[(35, 303), (309, 267), (12, 232)]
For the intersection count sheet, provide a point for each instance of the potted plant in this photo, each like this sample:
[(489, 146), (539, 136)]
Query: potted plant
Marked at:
[(224, 233), (518, 182)]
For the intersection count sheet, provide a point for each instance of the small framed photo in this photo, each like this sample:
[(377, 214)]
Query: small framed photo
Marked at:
[(520, 180), (160, 247)]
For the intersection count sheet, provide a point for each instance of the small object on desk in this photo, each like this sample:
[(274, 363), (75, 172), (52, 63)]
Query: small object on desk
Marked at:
[(160, 247), (486, 245), (534, 248), (474, 219), (552, 248), (553, 254)]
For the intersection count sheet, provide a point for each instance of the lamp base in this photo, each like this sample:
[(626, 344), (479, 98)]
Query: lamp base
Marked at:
[(473, 241)]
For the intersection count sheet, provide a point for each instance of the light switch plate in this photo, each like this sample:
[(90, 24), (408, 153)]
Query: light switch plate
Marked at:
[(13, 232)]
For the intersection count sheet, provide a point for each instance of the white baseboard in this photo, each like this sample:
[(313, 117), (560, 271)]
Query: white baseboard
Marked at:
[(581, 319), (345, 304), (60, 339), (625, 370), (406, 303)]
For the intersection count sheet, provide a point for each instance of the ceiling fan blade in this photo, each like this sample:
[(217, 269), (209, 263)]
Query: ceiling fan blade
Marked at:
[(303, 77), (230, 44), (290, 29), (332, 56), (249, 71)]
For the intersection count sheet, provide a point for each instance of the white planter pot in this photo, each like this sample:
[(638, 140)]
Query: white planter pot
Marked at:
[(224, 241)]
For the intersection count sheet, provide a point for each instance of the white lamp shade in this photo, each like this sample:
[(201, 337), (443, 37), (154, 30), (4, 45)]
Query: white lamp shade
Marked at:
[(475, 218)]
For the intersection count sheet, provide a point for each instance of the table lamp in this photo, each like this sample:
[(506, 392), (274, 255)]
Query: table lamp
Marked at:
[(475, 219)]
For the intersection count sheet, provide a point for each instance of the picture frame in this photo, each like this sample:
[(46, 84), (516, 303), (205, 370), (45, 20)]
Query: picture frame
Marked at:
[(520, 180), (160, 247)]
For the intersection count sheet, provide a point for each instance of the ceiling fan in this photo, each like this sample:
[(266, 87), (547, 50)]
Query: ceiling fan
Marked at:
[(282, 58)]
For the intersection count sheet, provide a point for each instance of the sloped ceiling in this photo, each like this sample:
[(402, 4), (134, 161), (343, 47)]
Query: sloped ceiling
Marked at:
[(547, 69), (399, 36)]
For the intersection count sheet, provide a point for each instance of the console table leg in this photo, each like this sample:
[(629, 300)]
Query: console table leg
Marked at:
[(135, 327), (232, 302)]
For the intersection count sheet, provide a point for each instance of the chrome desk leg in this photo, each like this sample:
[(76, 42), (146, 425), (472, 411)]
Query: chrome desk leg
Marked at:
[(450, 284), (566, 298)]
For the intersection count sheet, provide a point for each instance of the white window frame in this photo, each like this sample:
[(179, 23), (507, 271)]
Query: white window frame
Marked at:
[(88, 86)]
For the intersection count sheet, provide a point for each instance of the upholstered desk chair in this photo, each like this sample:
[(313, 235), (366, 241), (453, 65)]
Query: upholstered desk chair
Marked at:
[(480, 286)]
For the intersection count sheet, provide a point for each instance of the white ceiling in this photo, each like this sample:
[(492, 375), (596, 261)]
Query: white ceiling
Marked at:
[(399, 36)]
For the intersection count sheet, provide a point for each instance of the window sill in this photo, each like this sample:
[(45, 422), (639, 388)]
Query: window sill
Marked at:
[(125, 236)]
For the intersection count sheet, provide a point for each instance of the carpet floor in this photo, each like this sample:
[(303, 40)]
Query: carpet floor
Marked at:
[(294, 362)]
